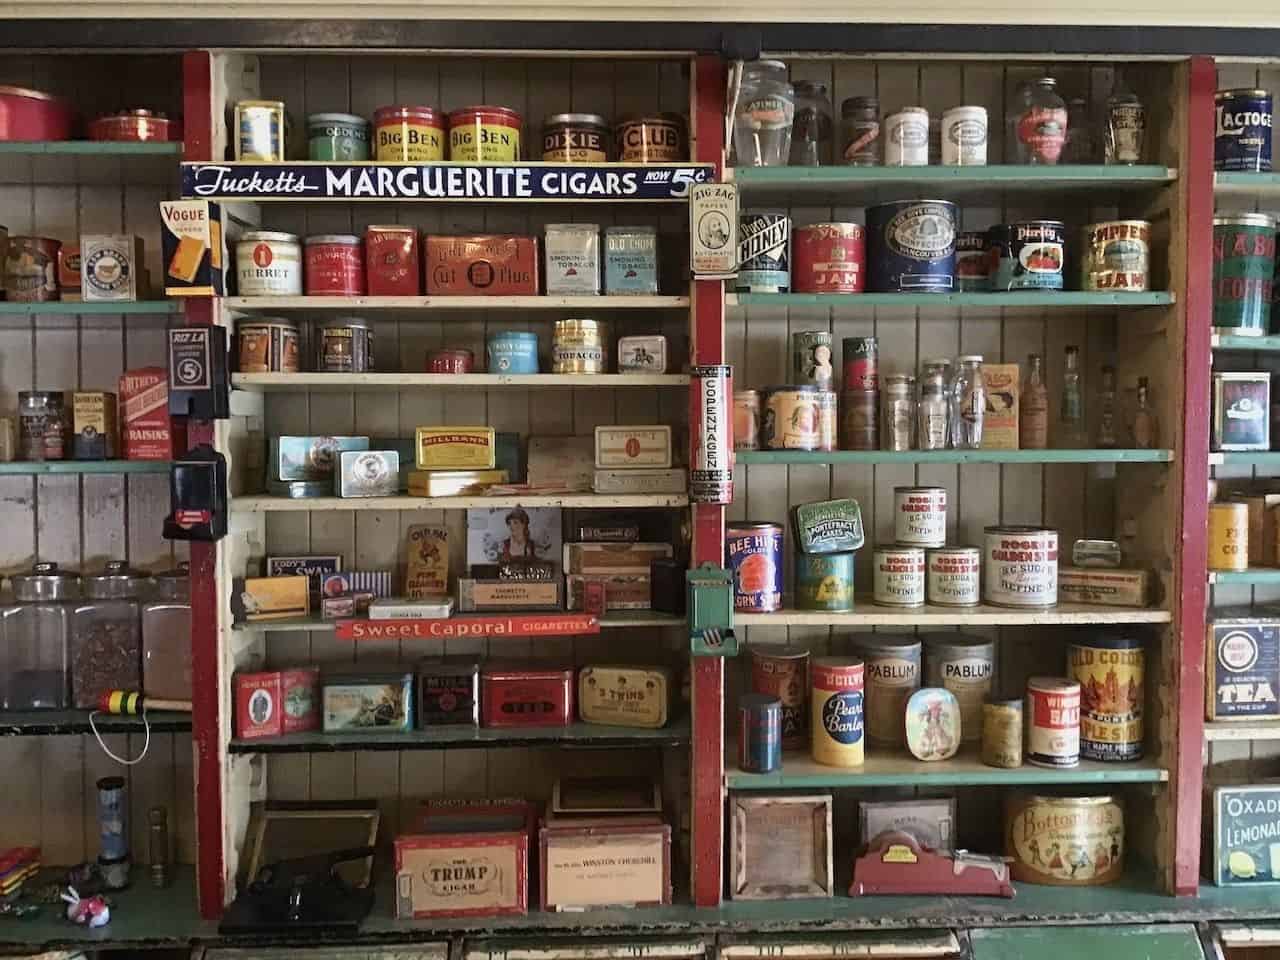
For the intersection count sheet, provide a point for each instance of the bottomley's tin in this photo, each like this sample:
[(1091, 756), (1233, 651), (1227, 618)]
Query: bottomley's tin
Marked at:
[(920, 516), (764, 252), (899, 576), (1002, 733), (860, 420), (783, 672), (824, 581), (746, 420), (1244, 263), (973, 262), (759, 733), (811, 358), (829, 258), (1028, 255), (892, 666), (861, 360), (267, 345), (753, 552), (1053, 722), (953, 576), (911, 246), (1242, 138), (965, 665), (1228, 536), (790, 419), (1064, 841), (1117, 255), (344, 345), (1110, 669), (512, 351), (836, 718), (1020, 566)]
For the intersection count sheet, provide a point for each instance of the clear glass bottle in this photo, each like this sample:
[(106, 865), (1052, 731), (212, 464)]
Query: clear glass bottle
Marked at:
[(35, 639), (1033, 410), (860, 132), (1079, 146), (1070, 433), (898, 412), (1125, 133), (764, 114), (970, 398), (1108, 422), (1146, 428), (106, 634), (811, 130), (166, 637), (1038, 123), (933, 413)]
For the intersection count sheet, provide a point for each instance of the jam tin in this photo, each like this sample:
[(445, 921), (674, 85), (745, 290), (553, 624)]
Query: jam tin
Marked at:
[(392, 261), (135, 126), (1228, 536), (1053, 722), (1027, 255), (899, 576), (1110, 669), (646, 353), (861, 356), (789, 420), (1064, 841), (746, 420), (575, 138), (267, 345), (1244, 264), (337, 137), (932, 724), (652, 138), (571, 254), (333, 265), (764, 252), (952, 576), (811, 358), (973, 262), (911, 246), (34, 115), (1020, 566), (578, 347), (1117, 255), (965, 665), (759, 733), (1242, 135), (753, 552), (484, 135), (860, 420), (781, 671), (836, 711), (906, 138), (828, 258), (512, 351), (450, 361), (631, 261), (824, 581), (408, 134), (269, 264), (1002, 733), (344, 345), (920, 516), (31, 269), (260, 127), (892, 668), (964, 137), (1241, 405), (526, 695)]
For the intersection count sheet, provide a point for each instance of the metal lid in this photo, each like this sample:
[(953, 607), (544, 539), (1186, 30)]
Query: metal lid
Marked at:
[(576, 119), (244, 322), (407, 112), (1245, 220), (117, 581), (970, 358), (778, 651), (898, 550), (344, 239), (350, 118), (744, 525), (811, 87), (859, 105), (338, 323), (623, 231), (936, 362), (259, 236), (29, 94), (1218, 95), (676, 118), (1052, 684), (391, 227), (463, 113), (1110, 641), (513, 335), (137, 114), (45, 582), (174, 584), (273, 104), (760, 701)]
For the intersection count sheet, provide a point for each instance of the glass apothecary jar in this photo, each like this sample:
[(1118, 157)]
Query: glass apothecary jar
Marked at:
[(764, 114), (166, 637), (812, 128), (1038, 123), (106, 634), (35, 639)]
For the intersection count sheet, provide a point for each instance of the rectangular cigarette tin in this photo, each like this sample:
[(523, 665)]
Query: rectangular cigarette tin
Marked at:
[(191, 244), (1242, 672), (1241, 411), (453, 483), (629, 447), (931, 820), (376, 582), (276, 702), (448, 691), (111, 268), (628, 591), (337, 608), (1112, 588), (526, 695), (625, 696), (367, 702), (508, 596), (619, 865), (309, 458), (461, 874), (565, 462), (94, 428), (481, 265), (367, 473), (313, 567), (780, 847), (271, 598), (1000, 423), (613, 558), (572, 257), (642, 354), (455, 448), (829, 526), (640, 481)]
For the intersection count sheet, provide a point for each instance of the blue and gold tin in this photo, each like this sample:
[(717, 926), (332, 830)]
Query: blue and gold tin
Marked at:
[(753, 552), (764, 252), (911, 246), (512, 351), (824, 581), (1242, 133), (759, 733)]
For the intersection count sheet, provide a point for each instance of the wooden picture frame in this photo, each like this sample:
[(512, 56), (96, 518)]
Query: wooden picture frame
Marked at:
[(282, 831), (780, 847)]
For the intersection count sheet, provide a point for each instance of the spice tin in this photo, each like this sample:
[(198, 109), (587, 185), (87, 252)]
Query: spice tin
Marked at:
[(512, 351), (892, 674), (829, 258), (829, 526), (1117, 255), (899, 576), (34, 115), (1242, 135), (782, 672), (577, 347), (973, 261), (642, 354), (1246, 822), (344, 345), (753, 552), (911, 246), (488, 265), (659, 138), (836, 714), (575, 138), (367, 473), (333, 266), (267, 345), (711, 424), (1228, 536), (1243, 669), (136, 126), (933, 724), (790, 419), (906, 138), (526, 695), (746, 420), (630, 261), (572, 258), (484, 135), (759, 733), (1027, 255), (811, 361), (31, 269), (764, 252), (1244, 263), (1053, 722), (261, 130), (965, 665), (1065, 841), (408, 134), (824, 581), (1110, 670), (392, 261), (861, 362), (1020, 566), (964, 137), (1241, 411), (625, 696), (1002, 733), (269, 264), (367, 702), (450, 361), (920, 516), (337, 137), (952, 576)]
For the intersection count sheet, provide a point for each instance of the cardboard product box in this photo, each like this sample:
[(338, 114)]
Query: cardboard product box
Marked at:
[(604, 865), (621, 591), (567, 462), (192, 247), (1112, 588), (426, 554), (508, 596), (462, 874), (69, 272), (276, 702), (497, 534), (148, 431), (453, 483), (94, 427), (1000, 422), (111, 267), (1242, 669), (484, 265), (612, 559), (271, 598), (313, 567), (780, 847)]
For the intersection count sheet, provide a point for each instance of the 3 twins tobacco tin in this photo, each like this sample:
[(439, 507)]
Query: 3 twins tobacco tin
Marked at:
[(829, 526)]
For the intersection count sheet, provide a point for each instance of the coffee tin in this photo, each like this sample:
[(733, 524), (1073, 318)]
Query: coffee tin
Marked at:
[(899, 576), (408, 134), (811, 361), (920, 516), (836, 714), (829, 258), (1020, 566), (1064, 841), (781, 671), (651, 138), (267, 345), (484, 134), (344, 345), (1053, 722), (1244, 264), (973, 262), (964, 137), (1117, 255), (952, 576), (512, 351), (31, 269), (269, 264), (965, 665), (861, 363), (906, 138), (764, 252), (1110, 669), (1028, 255), (1002, 733), (340, 137), (575, 138), (933, 724), (746, 420), (753, 552), (790, 419), (892, 674), (333, 265), (824, 581), (1228, 536), (911, 246), (759, 733), (1242, 134), (860, 420), (1241, 411)]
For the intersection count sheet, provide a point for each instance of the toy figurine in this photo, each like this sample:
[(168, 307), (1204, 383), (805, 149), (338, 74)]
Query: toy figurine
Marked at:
[(90, 912)]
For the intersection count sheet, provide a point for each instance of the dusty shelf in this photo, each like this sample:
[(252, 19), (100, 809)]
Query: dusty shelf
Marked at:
[(1254, 576), (82, 467), (1043, 299), (1260, 185), (1223, 341), (427, 304), (92, 308), (262, 503), (866, 614), (370, 382), (835, 457), (32, 723), (1242, 730)]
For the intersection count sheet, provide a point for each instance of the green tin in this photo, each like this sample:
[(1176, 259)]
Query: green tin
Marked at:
[(829, 526), (824, 581), (337, 136), (1244, 263)]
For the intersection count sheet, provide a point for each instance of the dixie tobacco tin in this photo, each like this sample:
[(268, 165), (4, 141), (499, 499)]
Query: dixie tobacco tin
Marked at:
[(828, 526), (1243, 670), (1246, 828)]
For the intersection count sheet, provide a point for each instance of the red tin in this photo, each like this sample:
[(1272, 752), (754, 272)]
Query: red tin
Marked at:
[(491, 265), (408, 134), (393, 263), (33, 115), (526, 695), (484, 134), (147, 430), (333, 266), (828, 258), (450, 361), (136, 126), (276, 702)]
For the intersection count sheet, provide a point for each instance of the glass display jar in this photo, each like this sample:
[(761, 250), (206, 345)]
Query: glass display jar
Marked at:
[(970, 404), (811, 130), (933, 430), (860, 132), (764, 114), (1038, 123), (35, 637), (898, 412), (1079, 146), (106, 634), (166, 637)]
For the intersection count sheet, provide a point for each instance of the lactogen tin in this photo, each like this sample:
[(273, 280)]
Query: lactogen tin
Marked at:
[(1110, 669), (333, 265), (783, 672), (711, 420), (824, 581), (911, 246), (811, 360), (828, 258), (861, 359), (892, 666), (484, 135), (1020, 566), (953, 576), (746, 420), (965, 665), (269, 264), (759, 733), (408, 134), (836, 715), (1064, 841), (1242, 137), (898, 576), (267, 345), (1002, 733), (860, 420), (753, 551), (790, 420), (344, 345), (1116, 255), (1244, 264), (1028, 255), (973, 262), (920, 516), (764, 252), (964, 137), (906, 138), (1228, 536), (1053, 722)]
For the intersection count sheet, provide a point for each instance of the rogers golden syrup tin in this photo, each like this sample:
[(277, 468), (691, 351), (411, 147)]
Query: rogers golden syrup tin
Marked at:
[(1020, 566), (952, 576), (1110, 670), (892, 675), (898, 576), (783, 672), (1064, 841), (920, 516), (1053, 722), (836, 712)]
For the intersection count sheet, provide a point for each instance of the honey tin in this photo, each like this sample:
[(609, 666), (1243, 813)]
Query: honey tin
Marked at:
[(1246, 822), (260, 127), (481, 872), (448, 691), (631, 261), (526, 695), (653, 138), (1242, 133), (1242, 679), (892, 675), (952, 576), (973, 262), (828, 258), (267, 345), (1028, 255), (824, 581), (489, 265), (836, 711), (34, 115), (790, 418), (408, 134), (111, 268), (933, 724), (309, 458), (571, 254), (484, 134), (1228, 536), (367, 473), (1244, 258), (931, 820), (1110, 670), (911, 246), (1020, 566), (746, 420), (367, 702), (920, 516), (269, 264), (829, 526), (31, 269), (575, 138), (780, 846), (512, 352), (1241, 411), (454, 448), (1053, 722), (578, 347), (93, 427), (625, 696), (450, 361), (764, 252), (642, 354), (344, 345), (619, 447), (811, 359), (589, 863), (277, 702), (753, 552), (340, 137), (1064, 841), (899, 576), (966, 666), (782, 672), (1002, 733), (1117, 255)]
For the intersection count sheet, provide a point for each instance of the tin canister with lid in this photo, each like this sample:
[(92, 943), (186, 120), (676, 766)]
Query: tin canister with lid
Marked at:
[(337, 137), (1228, 536), (408, 134), (1002, 732), (578, 347), (1242, 137), (333, 265), (790, 418), (392, 261), (1110, 668), (261, 130), (920, 516), (1028, 255), (898, 576), (269, 264), (267, 345), (1117, 255), (512, 351), (911, 246), (1020, 566), (449, 360), (811, 358), (892, 674), (860, 132), (828, 258), (753, 553), (1244, 263), (31, 269), (1065, 841), (824, 581), (759, 733), (836, 713), (861, 361), (575, 138), (484, 134), (651, 138), (906, 138), (964, 137), (344, 345), (965, 665), (781, 671), (952, 576), (1053, 722)]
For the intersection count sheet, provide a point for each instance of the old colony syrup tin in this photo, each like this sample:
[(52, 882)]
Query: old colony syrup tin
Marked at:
[(1027, 255), (790, 418), (1110, 670), (764, 252), (408, 134), (575, 138), (759, 733), (1228, 536), (1117, 255), (952, 576), (973, 262), (267, 345), (898, 576), (965, 665), (1242, 136), (1064, 841), (892, 674), (484, 135), (753, 551), (1244, 261), (333, 265), (1020, 566), (269, 264), (828, 258), (652, 138), (1053, 722), (920, 516), (836, 719), (911, 246), (783, 672)]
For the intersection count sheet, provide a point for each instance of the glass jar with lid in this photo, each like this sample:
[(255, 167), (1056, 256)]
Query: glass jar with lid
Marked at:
[(166, 636), (1038, 123), (860, 132), (35, 637), (764, 114), (813, 124), (106, 634)]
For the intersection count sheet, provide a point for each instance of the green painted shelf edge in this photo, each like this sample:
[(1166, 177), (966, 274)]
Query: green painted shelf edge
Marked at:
[(797, 457), (82, 467), (1246, 458), (1240, 183), (91, 148), (1047, 299), (995, 175), (1255, 577), (63, 308), (1225, 341)]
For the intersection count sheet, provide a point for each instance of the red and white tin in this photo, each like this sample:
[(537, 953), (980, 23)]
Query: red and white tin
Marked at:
[(520, 695), (920, 516), (898, 577), (333, 266), (711, 417), (828, 258), (33, 115), (952, 576), (393, 263), (450, 361), (136, 126), (1053, 722), (1020, 567)]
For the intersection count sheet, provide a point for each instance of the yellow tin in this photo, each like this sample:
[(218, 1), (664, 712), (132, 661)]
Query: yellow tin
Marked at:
[(1065, 841), (836, 720), (408, 134), (1110, 669), (454, 448), (1002, 733), (484, 135), (1228, 536)]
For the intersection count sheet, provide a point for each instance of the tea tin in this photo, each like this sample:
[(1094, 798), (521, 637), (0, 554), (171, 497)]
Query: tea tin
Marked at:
[(1028, 255), (746, 420), (1228, 536), (1064, 841), (759, 733), (811, 358), (484, 134), (1002, 733), (911, 246), (631, 261), (408, 134), (790, 419), (899, 576), (337, 137), (836, 712), (1117, 255), (824, 581), (764, 252), (933, 724), (1020, 566), (828, 258), (1242, 133), (973, 262), (1242, 680), (1241, 411), (1053, 722), (952, 576), (891, 676), (1110, 670), (753, 552), (920, 516), (1244, 263), (782, 672), (966, 666), (512, 351)]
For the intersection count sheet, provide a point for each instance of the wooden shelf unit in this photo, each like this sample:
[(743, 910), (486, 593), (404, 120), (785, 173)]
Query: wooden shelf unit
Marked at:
[(427, 305), (867, 614), (392, 382)]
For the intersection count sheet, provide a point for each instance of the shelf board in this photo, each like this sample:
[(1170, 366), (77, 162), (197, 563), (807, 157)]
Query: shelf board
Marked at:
[(64, 308), (462, 737), (1246, 458), (1254, 576), (1223, 341), (1242, 730), (273, 305), (618, 619), (90, 162), (82, 467), (262, 503), (90, 148), (369, 382), (1040, 299), (866, 614), (1246, 184), (900, 769), (31, 723), (835, 457)]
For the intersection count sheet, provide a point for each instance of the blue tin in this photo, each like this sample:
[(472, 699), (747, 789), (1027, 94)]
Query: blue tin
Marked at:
[(631, 261), (1027, 255), (113, 819), (512, 351), (1242, 134), (753, 553), (911, 246), (759, 733), (764, 252)]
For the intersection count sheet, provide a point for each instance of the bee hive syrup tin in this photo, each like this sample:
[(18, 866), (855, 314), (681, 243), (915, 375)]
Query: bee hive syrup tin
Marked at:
[(1117, 255), (836, 712), (1053, 722), (952, 576), (764, 252), (1244, 262), (891, 676), (920, 516), (965, 665), (1109, 669), (753, 551), (783, 672), (824, 581), (1064, 841), (899, 576), (1028, 255), (933, 724), (1020, 566), (911, 246), (1242, 135), (1228, 536)]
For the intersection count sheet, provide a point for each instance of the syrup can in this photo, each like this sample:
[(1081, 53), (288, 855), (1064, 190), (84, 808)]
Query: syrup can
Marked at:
[(1228, 536), (1020, 566), (899, 577), (1110, 669), (1053, 722), (952, 576), (783, 672), (836, 717), (920, 516), (753, 552)]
